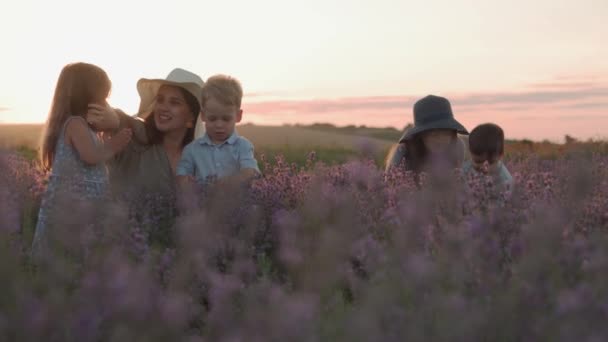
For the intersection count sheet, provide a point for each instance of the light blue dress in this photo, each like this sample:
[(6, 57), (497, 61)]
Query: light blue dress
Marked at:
[(70, 176)]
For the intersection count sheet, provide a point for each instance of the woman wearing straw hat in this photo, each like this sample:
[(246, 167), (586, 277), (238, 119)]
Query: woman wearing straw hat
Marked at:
[(434, 134), (164, 125)]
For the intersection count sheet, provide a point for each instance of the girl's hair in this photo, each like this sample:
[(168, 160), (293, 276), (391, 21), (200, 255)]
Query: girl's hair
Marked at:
[(156, 137), (78, 85), (416, 154)]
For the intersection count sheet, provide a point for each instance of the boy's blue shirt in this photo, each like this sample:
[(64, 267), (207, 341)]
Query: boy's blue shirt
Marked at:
[(207, 161), (502, 176)]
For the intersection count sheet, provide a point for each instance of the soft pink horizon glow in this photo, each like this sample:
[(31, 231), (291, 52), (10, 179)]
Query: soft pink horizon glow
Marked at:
[(546, 110), (539, 68)]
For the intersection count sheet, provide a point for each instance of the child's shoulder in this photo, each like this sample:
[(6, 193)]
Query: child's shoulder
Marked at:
[(75, 124), (467, 166), (244, 142), (75, 121), (504, 172)]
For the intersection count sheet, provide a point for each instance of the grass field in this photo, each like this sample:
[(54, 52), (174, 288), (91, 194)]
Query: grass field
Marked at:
[(294, 143), (20, 135), (331, 144), (261, 136)]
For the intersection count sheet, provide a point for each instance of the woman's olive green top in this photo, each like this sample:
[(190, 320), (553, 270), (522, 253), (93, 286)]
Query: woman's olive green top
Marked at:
[(140, 168)]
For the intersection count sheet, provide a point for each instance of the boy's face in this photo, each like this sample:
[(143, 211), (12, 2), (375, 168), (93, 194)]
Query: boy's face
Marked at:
[(220, 119), (486, 164)]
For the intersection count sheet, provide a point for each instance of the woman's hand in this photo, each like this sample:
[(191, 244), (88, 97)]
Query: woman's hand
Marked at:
[(102, 117)]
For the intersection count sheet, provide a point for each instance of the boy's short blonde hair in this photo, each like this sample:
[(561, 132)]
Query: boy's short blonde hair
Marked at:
[(225, 89)]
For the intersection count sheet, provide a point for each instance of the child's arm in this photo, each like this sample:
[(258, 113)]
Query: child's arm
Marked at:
[(186, 196), (505, 175), (185, 181), (102, 118), (111, 120), (186, 166), (248, 165), (79, 136), (249, 173)]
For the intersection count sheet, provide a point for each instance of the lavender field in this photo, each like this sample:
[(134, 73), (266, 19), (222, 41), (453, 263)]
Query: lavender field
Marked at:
[(318, 252)]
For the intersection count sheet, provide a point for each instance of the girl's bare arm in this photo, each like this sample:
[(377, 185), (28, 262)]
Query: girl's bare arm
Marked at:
[(78, 135)]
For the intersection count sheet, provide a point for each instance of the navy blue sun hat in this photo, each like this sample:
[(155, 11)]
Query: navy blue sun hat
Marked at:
[(433, 112)]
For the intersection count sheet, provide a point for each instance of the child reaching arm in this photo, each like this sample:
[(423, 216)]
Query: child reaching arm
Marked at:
[(110, 120), (78, 135)]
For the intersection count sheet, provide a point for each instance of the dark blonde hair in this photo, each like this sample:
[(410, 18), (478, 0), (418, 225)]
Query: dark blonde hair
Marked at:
[(225, 89), (79, 84)]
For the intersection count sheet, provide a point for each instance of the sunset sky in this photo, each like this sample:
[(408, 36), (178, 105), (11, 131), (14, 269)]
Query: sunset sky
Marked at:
[(538, 68)]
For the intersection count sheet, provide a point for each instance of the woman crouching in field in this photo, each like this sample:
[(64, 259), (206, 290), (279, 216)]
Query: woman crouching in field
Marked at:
[(434, 137)]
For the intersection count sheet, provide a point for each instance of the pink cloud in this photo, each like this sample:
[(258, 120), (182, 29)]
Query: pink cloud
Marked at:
[(569, 98), (558, 103), (331, 105)]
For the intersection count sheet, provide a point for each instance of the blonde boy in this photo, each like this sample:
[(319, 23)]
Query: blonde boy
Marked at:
[(220, 152)]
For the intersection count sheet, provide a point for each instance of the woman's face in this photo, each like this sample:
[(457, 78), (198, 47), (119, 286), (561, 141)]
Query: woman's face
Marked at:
[(437, 140), (171, 111)]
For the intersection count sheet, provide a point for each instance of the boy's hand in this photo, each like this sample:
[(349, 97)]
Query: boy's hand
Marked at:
[(188, 180), (186, 196), (186, 185), (485, 167), (244, 176), (102, 117)]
